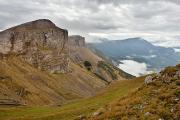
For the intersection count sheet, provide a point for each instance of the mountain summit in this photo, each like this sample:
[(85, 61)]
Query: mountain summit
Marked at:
[(137, 49), (40, 43)]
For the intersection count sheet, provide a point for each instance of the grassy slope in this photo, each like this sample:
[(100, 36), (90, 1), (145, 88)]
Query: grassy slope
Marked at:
[(158, 100), (72, 110), (45, 88)]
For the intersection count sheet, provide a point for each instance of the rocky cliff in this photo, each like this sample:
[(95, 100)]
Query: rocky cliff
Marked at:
[(77, 40), (29, 54), (40, 43)]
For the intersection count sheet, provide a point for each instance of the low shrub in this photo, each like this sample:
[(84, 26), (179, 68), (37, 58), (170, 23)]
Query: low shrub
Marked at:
[(178, 66), (178, 83), (88, 65), (177, 92), (170, 71)]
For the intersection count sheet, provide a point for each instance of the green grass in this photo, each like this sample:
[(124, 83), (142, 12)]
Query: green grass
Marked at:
[(72, 110)]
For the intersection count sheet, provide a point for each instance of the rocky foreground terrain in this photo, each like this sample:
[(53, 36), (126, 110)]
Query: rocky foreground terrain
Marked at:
[(157, 99), (41, 65)]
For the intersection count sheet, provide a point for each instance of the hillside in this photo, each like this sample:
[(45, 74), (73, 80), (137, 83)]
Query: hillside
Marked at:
[(157, 99), (74, 110), (25, 84), (151, 97), (39, 66), (102, 68)]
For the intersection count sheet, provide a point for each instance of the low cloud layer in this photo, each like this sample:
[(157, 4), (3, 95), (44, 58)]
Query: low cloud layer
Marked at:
[(133, 67), (154, 20)]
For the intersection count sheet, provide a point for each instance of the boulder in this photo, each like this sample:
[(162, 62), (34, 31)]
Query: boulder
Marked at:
[(148, 80), (98, 112), (177, 74), (147, 114), (81, 117)]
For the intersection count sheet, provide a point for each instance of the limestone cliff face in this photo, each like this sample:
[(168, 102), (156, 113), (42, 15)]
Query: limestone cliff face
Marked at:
[(76, 48), (41, 43), (77, 40)]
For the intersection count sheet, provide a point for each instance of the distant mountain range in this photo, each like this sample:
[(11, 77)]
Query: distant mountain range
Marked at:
[(137, 49)]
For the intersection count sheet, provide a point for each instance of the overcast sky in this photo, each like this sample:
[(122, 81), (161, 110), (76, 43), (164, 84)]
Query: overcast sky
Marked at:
[(155, 20)]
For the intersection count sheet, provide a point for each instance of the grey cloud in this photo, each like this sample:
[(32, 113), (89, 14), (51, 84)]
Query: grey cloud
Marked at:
[(117, 2), (96, 16)]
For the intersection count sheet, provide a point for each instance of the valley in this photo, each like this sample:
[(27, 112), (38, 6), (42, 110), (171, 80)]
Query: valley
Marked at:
[(89, 60), (73, 110), (46, 74)]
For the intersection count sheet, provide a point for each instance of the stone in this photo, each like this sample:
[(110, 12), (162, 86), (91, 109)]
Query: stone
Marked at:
[(40, 43), (9, 102), (148, 80), (172, 110), (81, 117), (138, 106), (160, 119), (147, 114), (98, 112), (158, 75), (178, 74)]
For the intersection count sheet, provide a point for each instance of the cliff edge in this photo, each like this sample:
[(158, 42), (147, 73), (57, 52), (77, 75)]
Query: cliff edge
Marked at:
[(40, 43)]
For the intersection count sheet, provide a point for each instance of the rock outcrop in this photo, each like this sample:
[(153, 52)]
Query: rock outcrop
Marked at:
[(77, 40), (159, 100), (148, 80), (41, 43)]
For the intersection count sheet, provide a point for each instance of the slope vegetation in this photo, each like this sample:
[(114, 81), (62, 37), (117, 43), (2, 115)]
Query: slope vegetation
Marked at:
[(27, 85), (74, 110), (159, 99)]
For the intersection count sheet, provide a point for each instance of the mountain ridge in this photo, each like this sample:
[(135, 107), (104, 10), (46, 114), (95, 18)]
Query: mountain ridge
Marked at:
[(135, 49), (41, 67)]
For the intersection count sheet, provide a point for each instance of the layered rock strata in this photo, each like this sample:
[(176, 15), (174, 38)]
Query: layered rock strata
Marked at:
[(41, 43)]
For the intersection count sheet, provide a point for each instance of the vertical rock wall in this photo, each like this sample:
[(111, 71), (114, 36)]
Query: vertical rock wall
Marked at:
[(41, 43), (77, 40)]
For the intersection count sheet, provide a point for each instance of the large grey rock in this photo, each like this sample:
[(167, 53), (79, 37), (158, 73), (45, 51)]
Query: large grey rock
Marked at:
[(148, 79), (41, 43), (178, 73)]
